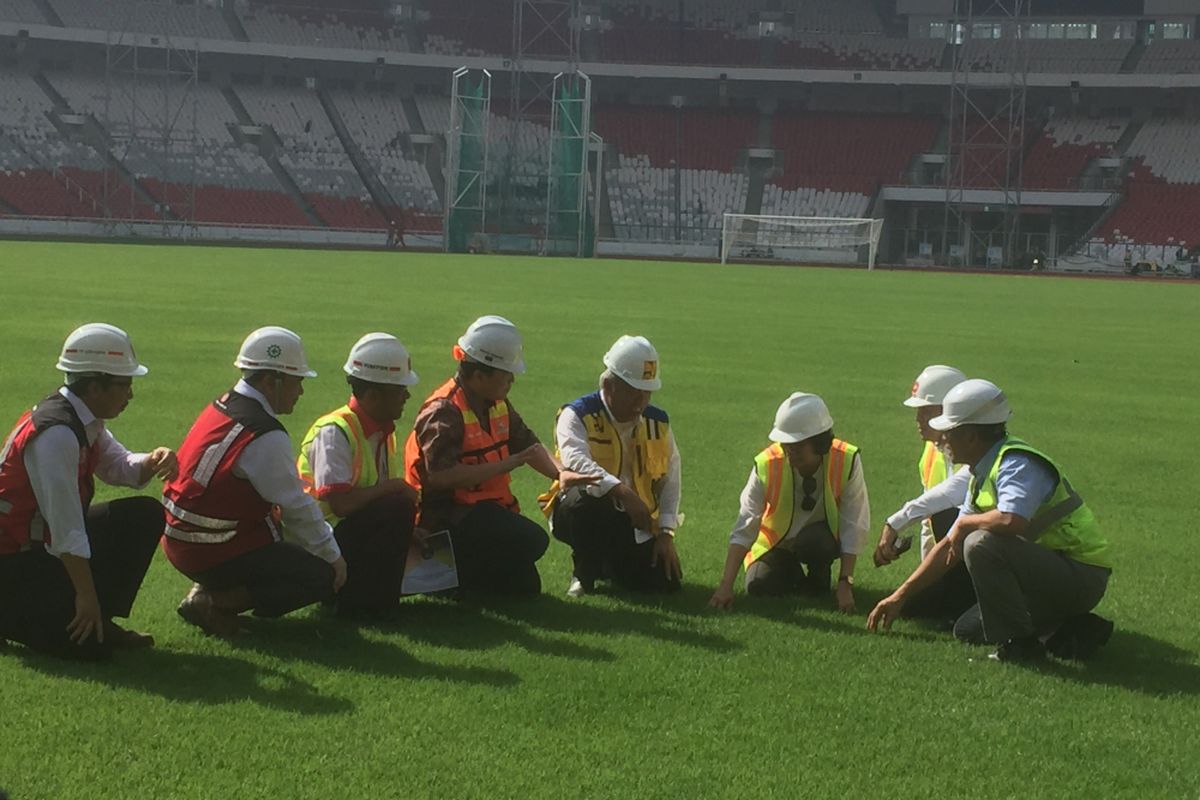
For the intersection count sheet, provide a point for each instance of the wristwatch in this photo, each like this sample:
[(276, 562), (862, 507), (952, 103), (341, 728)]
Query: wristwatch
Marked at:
[(849, 579)]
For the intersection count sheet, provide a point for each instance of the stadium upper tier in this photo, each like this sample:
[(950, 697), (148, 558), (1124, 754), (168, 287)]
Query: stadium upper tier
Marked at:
[(815, 34)]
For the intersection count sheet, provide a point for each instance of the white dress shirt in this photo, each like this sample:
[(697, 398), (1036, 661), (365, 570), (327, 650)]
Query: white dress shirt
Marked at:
[(331, 457), (854, 518), (268, 463), (576, 455), (950, 493), (52, 463)]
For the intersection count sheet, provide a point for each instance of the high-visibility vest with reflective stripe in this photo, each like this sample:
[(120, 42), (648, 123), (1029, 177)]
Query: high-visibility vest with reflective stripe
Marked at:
[(479, 447), (22, 524), (1063, 522), (932, 467), (363, 467), (775, 473), (212, 515), (651, 450)]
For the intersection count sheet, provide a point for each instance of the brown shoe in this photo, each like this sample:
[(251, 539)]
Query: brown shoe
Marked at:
[(198, 609), (125, 638)]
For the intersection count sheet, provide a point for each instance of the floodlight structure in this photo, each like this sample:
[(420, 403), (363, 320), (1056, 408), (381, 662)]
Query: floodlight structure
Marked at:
[(151, 115), (985, 144), (569, 229)]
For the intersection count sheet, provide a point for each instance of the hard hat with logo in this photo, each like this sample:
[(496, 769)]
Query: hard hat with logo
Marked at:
[(496, 342), (634, 360), (932, 384), (97, 347), (973, 402), (800, 417), (276, 349), (381, 358)]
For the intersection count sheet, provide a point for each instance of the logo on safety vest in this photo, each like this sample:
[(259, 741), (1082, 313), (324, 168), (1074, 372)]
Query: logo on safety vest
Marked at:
[(649, 370), (274, 351)]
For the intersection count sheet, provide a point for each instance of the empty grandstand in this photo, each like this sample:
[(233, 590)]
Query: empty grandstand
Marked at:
[(336, 117)]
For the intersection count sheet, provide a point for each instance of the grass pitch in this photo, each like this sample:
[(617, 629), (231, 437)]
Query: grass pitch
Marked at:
[(618, 696)]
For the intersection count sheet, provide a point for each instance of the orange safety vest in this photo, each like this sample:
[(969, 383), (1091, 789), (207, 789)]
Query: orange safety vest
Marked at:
[(480, 446)]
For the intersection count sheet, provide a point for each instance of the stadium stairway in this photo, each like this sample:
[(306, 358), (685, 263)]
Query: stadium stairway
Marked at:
[(757, 171), (267, 147), (49, 13), (234, 22), (435, 154), (135, 199), (380, 196), (1133, 57)]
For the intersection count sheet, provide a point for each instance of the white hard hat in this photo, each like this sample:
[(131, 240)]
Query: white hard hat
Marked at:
[(97, 347), (800, 417), (634, 360), (496, 342), (381, 358), (276, 349), (973, 402), (932, 384)]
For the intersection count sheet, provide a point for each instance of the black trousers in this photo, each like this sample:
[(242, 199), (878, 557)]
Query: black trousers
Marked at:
[(603, 545), (374, 542), (781, 570), (280, 578), (953, 593), (37, 598), (496, 551)]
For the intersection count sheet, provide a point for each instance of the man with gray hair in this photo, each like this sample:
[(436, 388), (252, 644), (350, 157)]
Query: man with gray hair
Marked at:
[(622, 527)]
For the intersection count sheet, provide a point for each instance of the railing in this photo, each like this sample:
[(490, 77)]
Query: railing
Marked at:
[(99, 227)]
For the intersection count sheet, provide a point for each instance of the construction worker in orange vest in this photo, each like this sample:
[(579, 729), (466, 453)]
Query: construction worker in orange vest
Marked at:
[(466, 441), (804, 506)]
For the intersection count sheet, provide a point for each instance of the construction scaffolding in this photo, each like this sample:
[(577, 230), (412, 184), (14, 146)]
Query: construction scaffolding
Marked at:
[(985, 145), (465, 220), (569, 228), (151, 115)]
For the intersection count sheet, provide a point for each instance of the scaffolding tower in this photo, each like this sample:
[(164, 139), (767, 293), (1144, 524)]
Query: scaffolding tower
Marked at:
[(545, 46), (152, 70), (985, 145)]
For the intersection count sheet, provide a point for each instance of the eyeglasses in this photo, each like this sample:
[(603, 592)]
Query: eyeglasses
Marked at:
[(809, 501)]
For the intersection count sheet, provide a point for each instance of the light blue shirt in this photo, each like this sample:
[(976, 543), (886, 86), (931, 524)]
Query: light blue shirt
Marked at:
[(1023, 483)]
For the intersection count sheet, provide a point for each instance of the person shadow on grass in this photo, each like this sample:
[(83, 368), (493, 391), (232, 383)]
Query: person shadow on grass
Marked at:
[(339, 644), (189, 677), (666, 617), (1137, 662)]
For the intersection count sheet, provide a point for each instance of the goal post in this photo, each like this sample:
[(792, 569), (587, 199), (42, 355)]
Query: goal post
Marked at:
[(800, 240)]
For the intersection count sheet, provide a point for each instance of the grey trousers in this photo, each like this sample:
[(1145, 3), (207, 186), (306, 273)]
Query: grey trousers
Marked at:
[(1024, 589)]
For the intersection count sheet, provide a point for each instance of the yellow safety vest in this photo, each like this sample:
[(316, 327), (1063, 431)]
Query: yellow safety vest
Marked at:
[(649, 456), (1063, 522), (932, 467), (364, 471), (775, 473)]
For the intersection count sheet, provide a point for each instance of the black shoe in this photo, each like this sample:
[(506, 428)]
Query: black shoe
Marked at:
[(1080, 638), (1028, 650)]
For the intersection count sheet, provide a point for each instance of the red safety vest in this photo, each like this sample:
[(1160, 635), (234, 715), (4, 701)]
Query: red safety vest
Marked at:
[(214, 516), (21, 522), (480, 446)]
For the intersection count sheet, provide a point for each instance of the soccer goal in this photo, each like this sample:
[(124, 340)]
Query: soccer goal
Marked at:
[(800, 240)]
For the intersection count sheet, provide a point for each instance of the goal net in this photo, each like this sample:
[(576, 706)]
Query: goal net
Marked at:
[(800, 240)]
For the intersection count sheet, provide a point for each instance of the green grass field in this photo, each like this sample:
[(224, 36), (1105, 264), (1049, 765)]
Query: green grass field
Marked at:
[(621, 696)]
